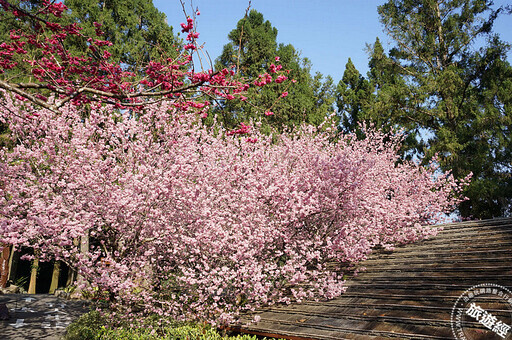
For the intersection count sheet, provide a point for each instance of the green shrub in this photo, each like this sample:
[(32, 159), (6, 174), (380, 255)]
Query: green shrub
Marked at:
[(87, 327), (92, 326), (177, 333)]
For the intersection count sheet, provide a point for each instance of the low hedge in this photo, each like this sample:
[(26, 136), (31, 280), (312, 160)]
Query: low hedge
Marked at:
[(92, 326)]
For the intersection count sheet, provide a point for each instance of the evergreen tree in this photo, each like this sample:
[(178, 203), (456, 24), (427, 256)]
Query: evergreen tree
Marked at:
[(252, 45), (252, 49), (324, 95), (138, 31), (353, 97), (453, 99), (376, 99)]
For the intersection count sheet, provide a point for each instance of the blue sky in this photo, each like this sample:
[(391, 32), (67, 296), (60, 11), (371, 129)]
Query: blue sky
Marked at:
[(327, 32)]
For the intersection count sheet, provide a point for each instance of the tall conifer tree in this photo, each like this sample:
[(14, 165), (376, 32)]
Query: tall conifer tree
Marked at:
[(139, 32), (452, 97), (252, 49)]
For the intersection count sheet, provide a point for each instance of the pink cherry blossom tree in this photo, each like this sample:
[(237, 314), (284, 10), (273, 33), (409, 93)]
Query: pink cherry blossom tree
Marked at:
[(197, 222)]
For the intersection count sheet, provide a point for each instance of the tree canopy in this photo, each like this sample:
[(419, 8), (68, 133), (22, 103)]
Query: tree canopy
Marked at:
[(253, 49), (138, 31), (452, 98)]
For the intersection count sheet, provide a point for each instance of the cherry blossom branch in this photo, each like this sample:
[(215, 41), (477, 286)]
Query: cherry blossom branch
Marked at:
[(15, 89)]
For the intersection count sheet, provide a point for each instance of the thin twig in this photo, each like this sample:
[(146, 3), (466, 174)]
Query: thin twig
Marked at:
[(240, 40)]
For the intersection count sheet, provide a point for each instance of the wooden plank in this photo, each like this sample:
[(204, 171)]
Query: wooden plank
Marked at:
[(400, 263), (448, 252), (459, 250), (321, 331), (408, 293), (477, 267)]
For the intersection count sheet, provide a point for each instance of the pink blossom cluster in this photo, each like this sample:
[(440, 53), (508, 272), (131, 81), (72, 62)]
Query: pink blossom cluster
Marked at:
[(193, 222), (244, 129), (185, 28), (264, 79), (274, 68), (191, 36)]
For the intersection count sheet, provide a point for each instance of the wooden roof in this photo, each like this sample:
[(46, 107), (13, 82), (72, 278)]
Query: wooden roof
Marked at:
[(408, 293)]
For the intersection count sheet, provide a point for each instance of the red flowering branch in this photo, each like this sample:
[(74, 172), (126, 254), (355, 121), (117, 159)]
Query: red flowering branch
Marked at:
[(59, 77)]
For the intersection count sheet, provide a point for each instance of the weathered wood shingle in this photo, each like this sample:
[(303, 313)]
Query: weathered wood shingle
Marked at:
[(408, 293)]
